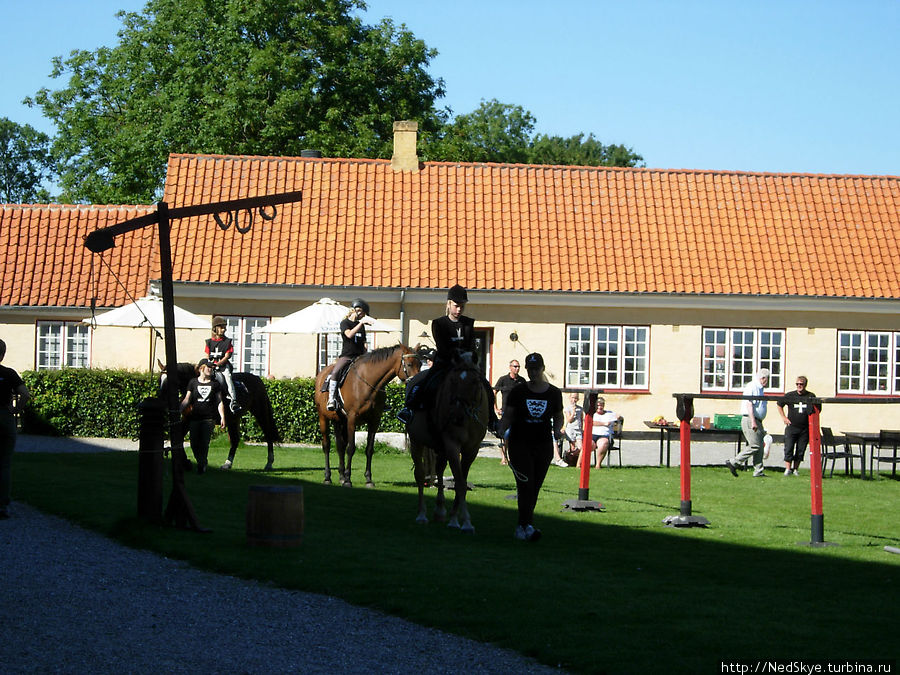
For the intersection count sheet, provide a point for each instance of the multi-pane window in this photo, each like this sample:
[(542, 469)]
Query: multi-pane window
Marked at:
[(62, 344), (329, 349), (251, 350), (732, 355), (607, 356), (868, 362)]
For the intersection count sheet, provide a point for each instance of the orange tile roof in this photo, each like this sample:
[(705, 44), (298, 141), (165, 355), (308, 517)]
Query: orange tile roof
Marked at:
[(486, 226), (43, 262), (545, 228)]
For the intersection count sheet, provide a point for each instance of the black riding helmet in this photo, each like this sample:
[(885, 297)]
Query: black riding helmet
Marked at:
[(362, 304), (458, 295)]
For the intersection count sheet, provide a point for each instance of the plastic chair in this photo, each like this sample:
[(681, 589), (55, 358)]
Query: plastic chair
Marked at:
[(615, 444), (888, 441), (835, 449)]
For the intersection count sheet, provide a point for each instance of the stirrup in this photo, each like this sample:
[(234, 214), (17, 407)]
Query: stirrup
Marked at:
[(405, 415)]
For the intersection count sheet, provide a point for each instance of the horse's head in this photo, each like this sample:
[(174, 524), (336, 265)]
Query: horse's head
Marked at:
[(410, 362), (186, 372)]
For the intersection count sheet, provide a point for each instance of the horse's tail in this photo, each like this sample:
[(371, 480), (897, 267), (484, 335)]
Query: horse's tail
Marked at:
[(267, 415)]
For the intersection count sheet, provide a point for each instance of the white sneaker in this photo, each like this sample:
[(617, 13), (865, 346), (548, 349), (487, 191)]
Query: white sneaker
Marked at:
[(796, 473), (787, 472), (531, 533), (520, 533), (560, 462)]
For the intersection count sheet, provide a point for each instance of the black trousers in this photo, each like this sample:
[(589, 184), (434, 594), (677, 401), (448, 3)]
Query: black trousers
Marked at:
[(529, 463)]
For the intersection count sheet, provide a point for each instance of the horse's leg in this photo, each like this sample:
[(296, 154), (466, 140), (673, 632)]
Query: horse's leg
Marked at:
[(417, 451), (340, 441), (349, 451), (370, 449), (234, 437), (440, 509), (461, 505), (325, 433)]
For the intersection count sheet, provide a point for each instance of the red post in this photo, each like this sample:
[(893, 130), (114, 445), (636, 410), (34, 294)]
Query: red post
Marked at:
[(587, 443), (685, 467), (817, 517)]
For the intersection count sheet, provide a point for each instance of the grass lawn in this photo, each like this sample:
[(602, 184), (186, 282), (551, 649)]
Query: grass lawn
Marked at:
[(611, 591)]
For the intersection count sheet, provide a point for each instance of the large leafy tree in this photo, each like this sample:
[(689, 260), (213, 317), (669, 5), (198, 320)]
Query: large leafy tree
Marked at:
[(270, 77), (502, 132), (25, 163)]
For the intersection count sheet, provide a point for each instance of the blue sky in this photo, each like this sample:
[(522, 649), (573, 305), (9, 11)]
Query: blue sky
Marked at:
[(784, 85)]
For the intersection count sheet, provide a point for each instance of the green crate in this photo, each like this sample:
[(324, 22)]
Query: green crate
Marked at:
[(727, 421)]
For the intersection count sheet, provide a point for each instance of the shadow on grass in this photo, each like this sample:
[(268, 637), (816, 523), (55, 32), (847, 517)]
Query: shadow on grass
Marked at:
[(611, 591)]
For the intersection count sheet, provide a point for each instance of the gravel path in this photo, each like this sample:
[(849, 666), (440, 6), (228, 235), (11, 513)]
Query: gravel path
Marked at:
[(72, 601)]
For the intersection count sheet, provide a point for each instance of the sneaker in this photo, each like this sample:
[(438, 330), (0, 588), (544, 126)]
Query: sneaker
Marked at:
[(520, 533), (788, 472), (759, 474), (731, 467), (560, 462), (404, 415), (796, 473), (531, 533)]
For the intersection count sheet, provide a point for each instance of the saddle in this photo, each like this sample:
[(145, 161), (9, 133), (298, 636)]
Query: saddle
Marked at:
[(338, 377)]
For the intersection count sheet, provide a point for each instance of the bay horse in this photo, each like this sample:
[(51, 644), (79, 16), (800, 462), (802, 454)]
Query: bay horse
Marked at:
[(450, 431), (252, 397), (362, 399)]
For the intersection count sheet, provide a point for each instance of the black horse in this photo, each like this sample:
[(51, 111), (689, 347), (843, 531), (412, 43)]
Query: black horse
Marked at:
[(252, 396)]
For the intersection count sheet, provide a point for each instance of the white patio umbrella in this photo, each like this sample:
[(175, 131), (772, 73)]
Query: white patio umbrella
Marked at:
[(146, 313), (323, 316)]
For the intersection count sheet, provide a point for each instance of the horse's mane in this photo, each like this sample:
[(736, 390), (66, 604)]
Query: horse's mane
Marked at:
[(380, 354)]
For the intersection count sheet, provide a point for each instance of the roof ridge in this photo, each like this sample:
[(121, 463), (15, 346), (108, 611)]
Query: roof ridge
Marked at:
[(548, 167)]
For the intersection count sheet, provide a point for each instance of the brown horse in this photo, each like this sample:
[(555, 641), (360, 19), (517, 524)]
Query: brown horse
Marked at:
[(362, 400), (452, 429)]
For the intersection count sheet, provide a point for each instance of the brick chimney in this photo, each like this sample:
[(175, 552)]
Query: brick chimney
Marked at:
[(406, 134)]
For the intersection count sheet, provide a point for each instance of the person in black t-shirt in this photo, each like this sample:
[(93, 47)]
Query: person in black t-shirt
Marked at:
[(532, 420), (796, 421), (10, 384), (204, 397)]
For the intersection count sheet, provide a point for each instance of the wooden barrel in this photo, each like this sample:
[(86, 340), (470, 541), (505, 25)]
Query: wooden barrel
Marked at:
[(275, 515)]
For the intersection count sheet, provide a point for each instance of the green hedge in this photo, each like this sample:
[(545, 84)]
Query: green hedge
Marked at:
[(103, 403)]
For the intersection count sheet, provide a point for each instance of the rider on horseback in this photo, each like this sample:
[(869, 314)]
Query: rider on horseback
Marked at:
[(353, 337), (454, 336), (219, 351)]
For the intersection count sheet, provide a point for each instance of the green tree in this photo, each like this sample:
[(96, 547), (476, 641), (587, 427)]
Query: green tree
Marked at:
[(269, 77), (580, 151), (493, 132), (25, 163)]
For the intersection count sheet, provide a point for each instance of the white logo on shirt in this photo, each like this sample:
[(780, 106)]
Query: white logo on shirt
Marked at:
[(536, 407)]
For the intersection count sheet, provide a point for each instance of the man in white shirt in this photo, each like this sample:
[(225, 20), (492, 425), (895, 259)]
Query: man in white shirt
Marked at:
[(752, 415)]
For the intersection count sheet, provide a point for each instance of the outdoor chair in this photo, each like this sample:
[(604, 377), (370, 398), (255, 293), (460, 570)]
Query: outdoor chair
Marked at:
[(885, 451), (835, 449), (615, 445)]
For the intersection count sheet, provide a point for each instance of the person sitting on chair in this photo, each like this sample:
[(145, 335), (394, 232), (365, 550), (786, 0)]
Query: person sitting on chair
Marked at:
[(219, 351), (454, 336), (353, 338), (602, 434)]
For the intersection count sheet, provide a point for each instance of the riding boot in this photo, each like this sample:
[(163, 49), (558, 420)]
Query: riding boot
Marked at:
[(332, 394), (229, 383)]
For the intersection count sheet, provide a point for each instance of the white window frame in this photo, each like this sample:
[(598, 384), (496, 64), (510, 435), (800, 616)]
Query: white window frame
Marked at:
[(868, 362), (607, 356), (329, 348), (62, 344), (251, 350), (730, 357)]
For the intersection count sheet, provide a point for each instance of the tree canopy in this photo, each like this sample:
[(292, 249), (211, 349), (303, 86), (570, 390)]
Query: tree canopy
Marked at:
[(266, 77), (25, 163)]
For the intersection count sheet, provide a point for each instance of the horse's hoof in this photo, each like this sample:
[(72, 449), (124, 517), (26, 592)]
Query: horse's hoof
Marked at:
[(453, 524), (327, 481), (268, 467), (227, 464), (370, 484), (467, 529), (422, 519), (346, 483)]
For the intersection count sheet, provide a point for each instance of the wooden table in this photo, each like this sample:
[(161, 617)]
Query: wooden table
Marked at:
[(668, 430), (863, 438)]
